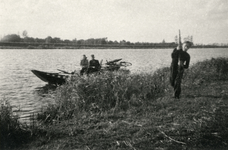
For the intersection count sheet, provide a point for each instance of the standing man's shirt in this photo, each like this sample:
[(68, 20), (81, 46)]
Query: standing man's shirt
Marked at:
[(181, 55)]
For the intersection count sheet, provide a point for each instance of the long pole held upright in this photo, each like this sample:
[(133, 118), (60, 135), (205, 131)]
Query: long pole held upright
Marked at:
[(179, 37)]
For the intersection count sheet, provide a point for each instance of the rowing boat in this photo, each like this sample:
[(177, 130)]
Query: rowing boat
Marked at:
[(51, 78), (60, 78)]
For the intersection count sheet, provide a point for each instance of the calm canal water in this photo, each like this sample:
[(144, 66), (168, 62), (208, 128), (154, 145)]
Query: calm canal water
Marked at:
[(28, 94)]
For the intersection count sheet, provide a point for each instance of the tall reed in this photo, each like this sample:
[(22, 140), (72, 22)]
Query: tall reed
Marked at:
[(109, 90), (121, 91), (207, 71), (12, 132)]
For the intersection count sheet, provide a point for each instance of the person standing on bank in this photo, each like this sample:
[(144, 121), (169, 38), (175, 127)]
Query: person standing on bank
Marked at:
[(94, 65), (181, 57), (84, 64)]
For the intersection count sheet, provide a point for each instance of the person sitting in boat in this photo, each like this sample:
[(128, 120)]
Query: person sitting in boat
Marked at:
[(94, 65), (84, 64)]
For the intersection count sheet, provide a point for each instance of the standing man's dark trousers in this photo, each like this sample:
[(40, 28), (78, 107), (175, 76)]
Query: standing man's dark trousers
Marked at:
[(173, 74), (175, 80)]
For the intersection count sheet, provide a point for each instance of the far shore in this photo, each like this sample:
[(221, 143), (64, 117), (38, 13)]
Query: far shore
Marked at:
[(103, 47)]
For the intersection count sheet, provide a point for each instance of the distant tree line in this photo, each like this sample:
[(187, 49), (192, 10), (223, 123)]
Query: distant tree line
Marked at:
[(54, 40), (14, 38)]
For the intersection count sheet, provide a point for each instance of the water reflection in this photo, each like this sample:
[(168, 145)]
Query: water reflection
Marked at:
[(44, 90), (42, 97)]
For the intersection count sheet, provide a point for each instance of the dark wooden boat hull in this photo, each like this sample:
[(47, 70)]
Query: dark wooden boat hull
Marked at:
[(51, 78)]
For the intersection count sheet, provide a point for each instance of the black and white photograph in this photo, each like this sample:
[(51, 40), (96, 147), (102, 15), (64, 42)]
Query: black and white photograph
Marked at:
[(113, 74)]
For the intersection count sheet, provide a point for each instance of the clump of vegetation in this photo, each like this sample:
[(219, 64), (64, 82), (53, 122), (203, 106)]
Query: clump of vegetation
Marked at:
[(113, 90), (108, 91), (207, 71), (12, 132)]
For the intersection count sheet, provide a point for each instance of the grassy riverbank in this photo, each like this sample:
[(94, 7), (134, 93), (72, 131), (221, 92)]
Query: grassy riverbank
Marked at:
[(132, 111)]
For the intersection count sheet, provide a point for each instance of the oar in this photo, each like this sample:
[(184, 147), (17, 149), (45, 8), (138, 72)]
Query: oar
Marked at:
[(113, 61), (64, 71)]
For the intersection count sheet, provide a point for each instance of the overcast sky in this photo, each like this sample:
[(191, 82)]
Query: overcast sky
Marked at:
[(130, 20)]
